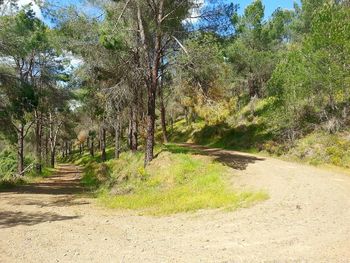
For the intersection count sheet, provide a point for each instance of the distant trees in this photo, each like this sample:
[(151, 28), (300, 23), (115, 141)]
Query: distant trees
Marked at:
[(29, 76), (311, 80)]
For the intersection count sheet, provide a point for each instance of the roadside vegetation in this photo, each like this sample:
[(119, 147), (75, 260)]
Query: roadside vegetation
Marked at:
[(258, 132), (8, 171), (179, 180)]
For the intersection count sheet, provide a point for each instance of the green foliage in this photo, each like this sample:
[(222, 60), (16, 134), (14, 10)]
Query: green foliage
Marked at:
[(176, 183), (320, 148), (178, 180), (8, 164), (311, 81)]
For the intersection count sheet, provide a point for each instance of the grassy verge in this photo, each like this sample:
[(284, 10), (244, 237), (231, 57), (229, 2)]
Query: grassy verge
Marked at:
[(318, 148), (178, 180)]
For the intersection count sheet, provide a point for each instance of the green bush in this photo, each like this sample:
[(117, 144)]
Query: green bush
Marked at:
[(8, 164)]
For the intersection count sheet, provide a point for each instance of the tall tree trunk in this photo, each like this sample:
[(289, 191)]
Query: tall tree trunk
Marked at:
[(47, 149), (151, 112), (66, 148), (20, 153), (130, 131), (164, 131), (117, 138), (162, 109), (152, 85), (103, 145), (38, 143), (92, 152), (52, 157), (63, 150), (134, 124)]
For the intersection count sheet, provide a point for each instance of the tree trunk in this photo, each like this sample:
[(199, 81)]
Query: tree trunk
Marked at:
[(117, 138), (38, 143), (92, 152), (20, 135), (150, 125), (164, 131), (63, 152), (47, 149), (103, 145), (162, 110), (152, 86), (52, 157), (134, 127), (66, 148), (130, 131)]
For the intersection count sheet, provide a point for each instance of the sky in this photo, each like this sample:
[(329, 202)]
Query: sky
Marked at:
[(270, 5)]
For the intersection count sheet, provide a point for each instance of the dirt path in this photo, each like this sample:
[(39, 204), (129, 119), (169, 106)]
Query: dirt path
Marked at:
[(307, 219)]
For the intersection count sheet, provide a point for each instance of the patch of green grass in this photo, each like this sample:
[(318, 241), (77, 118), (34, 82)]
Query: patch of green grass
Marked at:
[(90, 179), (174, 183), (178, 180), (248, 138)]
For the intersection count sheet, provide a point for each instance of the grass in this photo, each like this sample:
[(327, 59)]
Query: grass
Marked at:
[(8, 168), (247, 138), (323, 149), (178, 180), (258, 131)]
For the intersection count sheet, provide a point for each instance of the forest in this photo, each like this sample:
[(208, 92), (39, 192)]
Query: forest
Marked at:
[(132, 76), (138, 93), (143, 77)]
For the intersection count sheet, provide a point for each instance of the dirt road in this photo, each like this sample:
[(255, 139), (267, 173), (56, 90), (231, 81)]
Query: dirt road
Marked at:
[(306, 219)]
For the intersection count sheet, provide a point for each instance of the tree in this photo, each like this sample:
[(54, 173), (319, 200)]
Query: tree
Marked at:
[(21, 35)]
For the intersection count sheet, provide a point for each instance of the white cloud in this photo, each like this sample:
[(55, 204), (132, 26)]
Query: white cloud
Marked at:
[(195, 12), (35, 7), (73, 61), (6, 9)]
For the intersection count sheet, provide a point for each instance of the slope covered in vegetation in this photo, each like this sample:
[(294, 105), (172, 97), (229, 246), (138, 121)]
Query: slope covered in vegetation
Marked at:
[(179, 180), (257, 132)]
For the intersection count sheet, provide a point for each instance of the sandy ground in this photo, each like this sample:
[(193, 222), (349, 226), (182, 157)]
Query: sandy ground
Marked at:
[(306, 219)]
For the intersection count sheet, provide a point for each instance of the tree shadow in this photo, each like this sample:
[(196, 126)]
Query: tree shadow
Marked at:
[(63, 201), (238, 161), (11, 219), (66, 181)]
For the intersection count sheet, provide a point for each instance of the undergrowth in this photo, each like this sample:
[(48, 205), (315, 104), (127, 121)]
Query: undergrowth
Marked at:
[(8, 169), (178, 180), (257, 129)]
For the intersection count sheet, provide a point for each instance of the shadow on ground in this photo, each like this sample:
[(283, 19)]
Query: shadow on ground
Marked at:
[(11, 219), (238, 161), (66, 181), (63, 189)]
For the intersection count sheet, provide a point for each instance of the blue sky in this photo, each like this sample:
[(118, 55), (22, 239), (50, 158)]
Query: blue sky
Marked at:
[(270, 5)]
